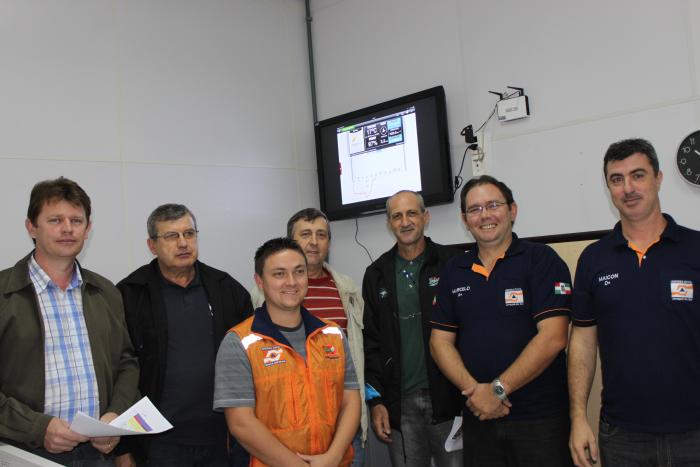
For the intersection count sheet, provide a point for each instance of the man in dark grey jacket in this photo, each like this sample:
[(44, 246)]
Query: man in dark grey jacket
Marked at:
[(178, 311), (412, 404)]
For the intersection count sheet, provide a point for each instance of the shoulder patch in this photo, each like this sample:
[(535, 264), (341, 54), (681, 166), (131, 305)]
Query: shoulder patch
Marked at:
[(562, 288)]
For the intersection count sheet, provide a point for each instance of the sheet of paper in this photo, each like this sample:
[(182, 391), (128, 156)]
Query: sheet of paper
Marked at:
[(141, 418), (454, 439)]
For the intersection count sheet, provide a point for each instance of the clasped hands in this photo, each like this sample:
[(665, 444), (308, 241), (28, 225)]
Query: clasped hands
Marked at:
[(60, 438), (483, 403)]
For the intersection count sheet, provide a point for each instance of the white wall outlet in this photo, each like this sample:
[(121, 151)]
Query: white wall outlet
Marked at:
[(479, 156)]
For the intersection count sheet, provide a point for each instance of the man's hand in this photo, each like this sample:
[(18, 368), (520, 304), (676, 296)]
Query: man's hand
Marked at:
[(60, 438), (484, 404), (320, 460), (105, 444), (125, 460), (380, 423), (582, 443)]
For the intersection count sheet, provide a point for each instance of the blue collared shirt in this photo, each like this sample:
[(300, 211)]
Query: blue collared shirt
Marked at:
[(647, 312), (495, 316), (70, 382)]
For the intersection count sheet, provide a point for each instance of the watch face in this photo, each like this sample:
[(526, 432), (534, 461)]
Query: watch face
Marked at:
[(499, 390), (688, 158)]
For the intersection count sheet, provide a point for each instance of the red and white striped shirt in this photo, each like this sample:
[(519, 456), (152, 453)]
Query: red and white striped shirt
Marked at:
[(323, 301)]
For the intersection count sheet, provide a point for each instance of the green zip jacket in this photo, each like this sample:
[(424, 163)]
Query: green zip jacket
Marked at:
[(22, 353)]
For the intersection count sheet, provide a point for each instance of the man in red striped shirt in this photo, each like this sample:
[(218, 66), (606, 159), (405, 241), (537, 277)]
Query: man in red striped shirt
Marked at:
[(313, 235), (331, 295)]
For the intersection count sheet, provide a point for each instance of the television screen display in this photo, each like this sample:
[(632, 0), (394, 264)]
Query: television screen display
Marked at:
[(367, 155)]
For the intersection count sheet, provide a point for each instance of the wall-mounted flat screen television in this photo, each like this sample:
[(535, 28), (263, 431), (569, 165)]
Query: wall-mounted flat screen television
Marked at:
[(367, 155)]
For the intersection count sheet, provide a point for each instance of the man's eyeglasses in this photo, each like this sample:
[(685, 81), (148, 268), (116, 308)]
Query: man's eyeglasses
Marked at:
[(490, 206), (172, 237)]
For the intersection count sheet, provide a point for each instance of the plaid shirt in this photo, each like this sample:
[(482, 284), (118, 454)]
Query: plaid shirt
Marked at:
[(70, 383)]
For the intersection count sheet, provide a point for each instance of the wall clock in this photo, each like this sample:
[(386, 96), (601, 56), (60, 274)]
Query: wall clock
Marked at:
[(688, 158)]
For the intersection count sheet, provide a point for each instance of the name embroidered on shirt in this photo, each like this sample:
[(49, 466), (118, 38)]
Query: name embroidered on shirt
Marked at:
[(562, 288), (514, 297), (273, 356), (459, 291), (682, 291), (607, 279)]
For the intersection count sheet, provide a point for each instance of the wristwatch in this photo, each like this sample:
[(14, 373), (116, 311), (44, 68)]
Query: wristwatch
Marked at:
[(498, 389)]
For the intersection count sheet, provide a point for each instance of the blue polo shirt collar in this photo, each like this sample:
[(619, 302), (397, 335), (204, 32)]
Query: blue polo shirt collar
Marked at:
[(262, 324), (671, 232), (465, 261)]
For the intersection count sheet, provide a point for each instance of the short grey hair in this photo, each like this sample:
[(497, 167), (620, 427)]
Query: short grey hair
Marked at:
[(167, 212), (418, 196), (309, 215)]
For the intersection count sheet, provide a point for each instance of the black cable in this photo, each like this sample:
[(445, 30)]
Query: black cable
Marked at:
[(357, 230), (458, 177), (487, 120)]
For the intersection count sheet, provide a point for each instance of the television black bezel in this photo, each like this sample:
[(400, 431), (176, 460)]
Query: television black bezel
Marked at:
[(365, 208)]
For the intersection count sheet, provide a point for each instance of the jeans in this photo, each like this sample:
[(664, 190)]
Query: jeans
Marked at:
[(622, 448), (419, 439), (165, 454), (358, 459), (83, 455), (516, 443)]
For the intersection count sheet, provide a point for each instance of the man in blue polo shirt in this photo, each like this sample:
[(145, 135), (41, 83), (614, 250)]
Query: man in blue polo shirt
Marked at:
[(634, 299), (499, 333)]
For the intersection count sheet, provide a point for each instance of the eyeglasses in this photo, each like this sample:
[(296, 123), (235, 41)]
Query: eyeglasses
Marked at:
[(490, 206), (172, 237)]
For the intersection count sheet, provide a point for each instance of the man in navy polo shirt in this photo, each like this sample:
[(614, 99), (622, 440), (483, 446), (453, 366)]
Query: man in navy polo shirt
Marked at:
[(634, 299), (499, 333)]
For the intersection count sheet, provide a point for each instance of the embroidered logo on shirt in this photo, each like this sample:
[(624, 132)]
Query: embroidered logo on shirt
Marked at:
[(331, 351), (433, 281), (383, 293), (273, 356), (514, 297), (562, 288), (682, 291)]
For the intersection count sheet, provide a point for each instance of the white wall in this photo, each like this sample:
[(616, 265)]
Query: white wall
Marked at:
[(595, 72), (146, 102), (207, 103)]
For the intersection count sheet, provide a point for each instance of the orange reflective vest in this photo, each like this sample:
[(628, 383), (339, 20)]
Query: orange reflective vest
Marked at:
[(298, 401)]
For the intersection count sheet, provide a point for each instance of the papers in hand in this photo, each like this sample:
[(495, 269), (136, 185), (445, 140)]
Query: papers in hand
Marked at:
[(142, 418), (454, 439)]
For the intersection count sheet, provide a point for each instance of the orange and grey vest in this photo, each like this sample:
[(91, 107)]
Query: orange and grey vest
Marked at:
[(298, 401)]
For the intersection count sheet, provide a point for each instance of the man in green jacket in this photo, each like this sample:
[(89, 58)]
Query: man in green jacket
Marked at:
[(64, 346)]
